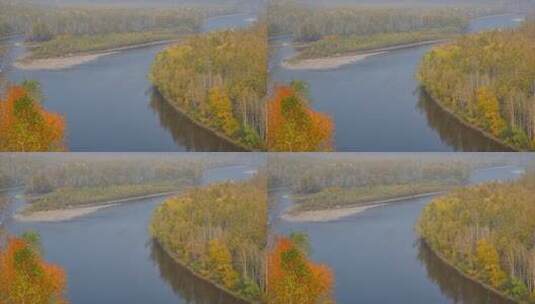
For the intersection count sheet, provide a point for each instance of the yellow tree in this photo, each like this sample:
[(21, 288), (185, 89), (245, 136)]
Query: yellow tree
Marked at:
[(220, 260), (489, 261), (221, 109), (489, 107)]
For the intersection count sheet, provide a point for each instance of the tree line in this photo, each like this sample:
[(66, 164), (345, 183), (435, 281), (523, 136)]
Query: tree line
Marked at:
[(42, 23), (488, 80), (311, 23), (219, 79), (219, 232), (487, 232), (313, 174)]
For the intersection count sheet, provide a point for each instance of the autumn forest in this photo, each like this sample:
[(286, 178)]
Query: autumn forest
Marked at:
[(267, 151)]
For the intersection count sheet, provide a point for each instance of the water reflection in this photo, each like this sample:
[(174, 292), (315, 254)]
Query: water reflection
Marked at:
[(184, 132), (453, 285), (185, 284), (453, 133)]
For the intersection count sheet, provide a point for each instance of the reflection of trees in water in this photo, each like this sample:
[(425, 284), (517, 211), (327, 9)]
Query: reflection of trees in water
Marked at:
[(453, 133), (185, 132), (185, 284), (453, 285)]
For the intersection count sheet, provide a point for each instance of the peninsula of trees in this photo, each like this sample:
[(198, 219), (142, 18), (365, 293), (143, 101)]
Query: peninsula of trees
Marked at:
[(219, 232), (219, 80), (487, 80), (486, 232)]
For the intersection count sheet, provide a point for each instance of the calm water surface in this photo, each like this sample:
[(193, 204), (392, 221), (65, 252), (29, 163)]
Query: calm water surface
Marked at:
[(376, 256), (109, 104), (376, 104), (109, 256)]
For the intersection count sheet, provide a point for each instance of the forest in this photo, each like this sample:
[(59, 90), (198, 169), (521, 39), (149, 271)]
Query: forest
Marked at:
[(219, 232), (486, 232), (323, 183), (219, 80), (25, 126), (332, 30), (50, 183), (61, 30), (488, 81), (293, 126)]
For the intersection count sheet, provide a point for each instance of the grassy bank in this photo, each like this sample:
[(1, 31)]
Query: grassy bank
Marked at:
[(70, 44), (64, 198), (342, 45), (342, 198)]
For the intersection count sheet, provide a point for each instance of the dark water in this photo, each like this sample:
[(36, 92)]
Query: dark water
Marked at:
[(376, 256), (375, 102), (108, 103), (109, 256)]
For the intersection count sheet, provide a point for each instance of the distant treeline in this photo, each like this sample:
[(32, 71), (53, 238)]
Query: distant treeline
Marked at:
[(42, 23), (219, 79), (487, 232), (48, 173), (488, 80), (339, 29), (313, 174), (220, 232), (308, 23)]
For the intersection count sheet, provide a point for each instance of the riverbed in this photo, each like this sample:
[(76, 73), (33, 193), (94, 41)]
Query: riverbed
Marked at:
[(376, 104), (109, 256), (109, 104), (376, 256)]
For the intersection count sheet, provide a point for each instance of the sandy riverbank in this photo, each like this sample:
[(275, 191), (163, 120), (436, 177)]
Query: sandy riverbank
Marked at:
[(58, 215), (325, 215), (76, 212), (57, 63), (60, 63), (326, 63), (328, 215), (334, 62)]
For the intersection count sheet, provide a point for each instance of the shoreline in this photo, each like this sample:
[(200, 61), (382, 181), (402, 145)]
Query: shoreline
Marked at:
[(207, 128), (467, 276), (328, 215), (76, 59), (473, 127), (201, 277), (66, 214), (337, 61)]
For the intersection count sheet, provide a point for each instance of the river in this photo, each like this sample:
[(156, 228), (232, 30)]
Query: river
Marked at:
[(109, 104), (377, 258), (109, 256), (376, 104)]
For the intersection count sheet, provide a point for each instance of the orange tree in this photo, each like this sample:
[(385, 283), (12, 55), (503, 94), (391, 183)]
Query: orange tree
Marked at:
[(293, 279), (26, 126), (25, 278), (293, 126)]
